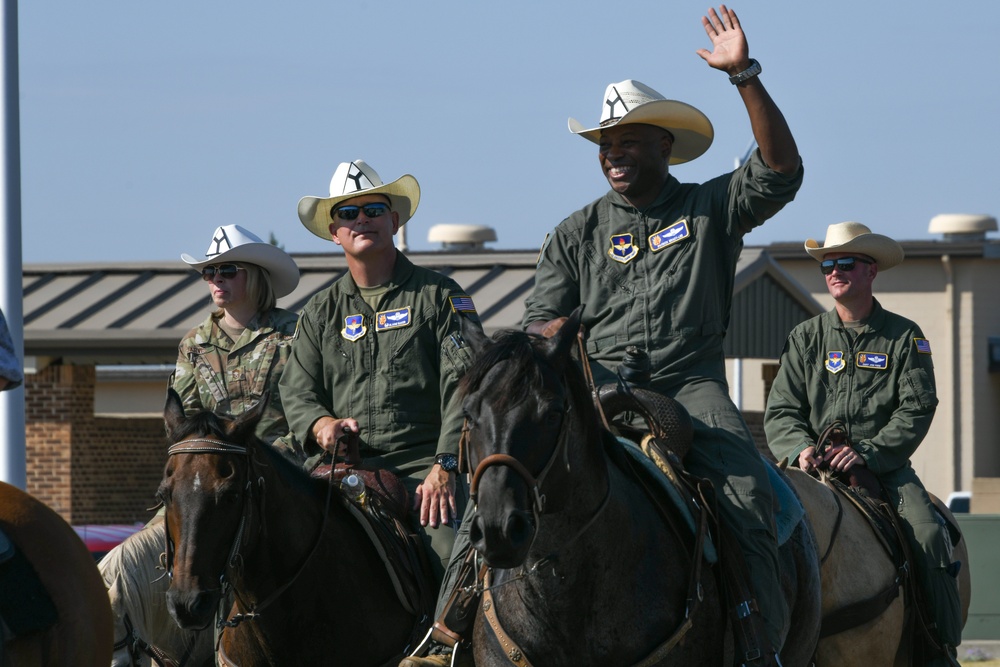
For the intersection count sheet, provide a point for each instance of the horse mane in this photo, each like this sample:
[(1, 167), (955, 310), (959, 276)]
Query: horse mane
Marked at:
[(522, 351)]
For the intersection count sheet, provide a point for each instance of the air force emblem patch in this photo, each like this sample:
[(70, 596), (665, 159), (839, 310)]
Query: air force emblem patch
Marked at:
[(392, 319), (622, 249), (669, 235), (354, 327), (878, 361), (835, 362)]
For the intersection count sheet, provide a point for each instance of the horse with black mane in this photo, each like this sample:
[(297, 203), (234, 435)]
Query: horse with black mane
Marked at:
[(310, 585), (582, 570)]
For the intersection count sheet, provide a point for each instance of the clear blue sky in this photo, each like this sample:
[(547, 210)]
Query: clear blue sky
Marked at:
[(146, 125)]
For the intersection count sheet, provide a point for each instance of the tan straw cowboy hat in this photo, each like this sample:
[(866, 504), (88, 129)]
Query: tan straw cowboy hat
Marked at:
[(232, 243), (855, 237), (630, 101), (353, 179)]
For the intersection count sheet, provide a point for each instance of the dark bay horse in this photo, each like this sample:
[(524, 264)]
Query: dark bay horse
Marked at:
[(82, 632), (309, 585), (583, 569)]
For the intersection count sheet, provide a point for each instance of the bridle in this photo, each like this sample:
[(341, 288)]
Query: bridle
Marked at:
[(234, 560)]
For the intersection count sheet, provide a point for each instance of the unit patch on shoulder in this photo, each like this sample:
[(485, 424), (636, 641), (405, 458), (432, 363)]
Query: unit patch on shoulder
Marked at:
[(622, 249), (669, 235), (462, 303), (354, 327), (923, 345), (392, 319), (875, 360), (835, 361)]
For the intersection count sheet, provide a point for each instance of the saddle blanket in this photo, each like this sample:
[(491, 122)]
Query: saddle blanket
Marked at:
[(788, 513)]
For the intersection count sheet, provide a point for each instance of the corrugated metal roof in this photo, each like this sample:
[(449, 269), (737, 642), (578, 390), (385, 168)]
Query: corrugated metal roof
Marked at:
[(132, 313)]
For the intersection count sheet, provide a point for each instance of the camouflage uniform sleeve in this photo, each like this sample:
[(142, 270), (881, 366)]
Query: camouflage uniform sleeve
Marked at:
[(456, 357), (183, 378), (786, 418)]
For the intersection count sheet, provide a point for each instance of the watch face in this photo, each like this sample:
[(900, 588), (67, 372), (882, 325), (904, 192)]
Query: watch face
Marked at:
[(448, 462)]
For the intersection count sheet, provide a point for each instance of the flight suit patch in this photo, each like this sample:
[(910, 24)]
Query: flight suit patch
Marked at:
[(354, 327), (462, 304), (622, 249), (669, 235), (392, 319), (923, 345), (835, 361), (875, 360)]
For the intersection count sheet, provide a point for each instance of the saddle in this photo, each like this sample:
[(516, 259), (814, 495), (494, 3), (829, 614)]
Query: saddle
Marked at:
[(669, 438), (383, 514)]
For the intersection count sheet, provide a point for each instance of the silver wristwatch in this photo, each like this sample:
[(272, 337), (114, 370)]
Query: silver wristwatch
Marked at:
[(747, 74)]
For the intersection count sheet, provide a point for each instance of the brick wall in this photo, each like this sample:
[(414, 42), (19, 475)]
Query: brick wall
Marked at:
[(90, 470)]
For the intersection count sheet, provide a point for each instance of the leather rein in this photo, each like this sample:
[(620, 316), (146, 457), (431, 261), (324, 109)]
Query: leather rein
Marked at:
[(214, 446)]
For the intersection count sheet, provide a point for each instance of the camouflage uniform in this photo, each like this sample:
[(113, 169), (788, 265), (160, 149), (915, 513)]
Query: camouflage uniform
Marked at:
[(879, 381), (214, 373)]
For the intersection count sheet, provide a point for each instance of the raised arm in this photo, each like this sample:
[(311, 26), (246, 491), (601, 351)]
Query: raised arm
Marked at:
[(731, 54)]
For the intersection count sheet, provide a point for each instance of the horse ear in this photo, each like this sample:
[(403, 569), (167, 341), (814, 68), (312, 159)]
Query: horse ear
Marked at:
[(560, 346), (244, 426), (173, 412), (472, 332)]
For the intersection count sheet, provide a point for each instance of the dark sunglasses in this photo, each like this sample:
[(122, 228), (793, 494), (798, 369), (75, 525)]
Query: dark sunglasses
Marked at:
[(844, 264), (373, 210), (227, 271)]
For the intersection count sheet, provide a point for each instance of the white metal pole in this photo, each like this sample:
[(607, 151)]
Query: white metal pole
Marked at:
[(13, 468)]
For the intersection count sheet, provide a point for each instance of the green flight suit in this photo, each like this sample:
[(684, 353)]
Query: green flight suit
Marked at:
[(662, 279), (879, 381), (215, 373), (394, 370)]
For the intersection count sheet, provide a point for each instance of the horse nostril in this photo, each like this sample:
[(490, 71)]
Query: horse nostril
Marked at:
[(520, 527), (476, 532)]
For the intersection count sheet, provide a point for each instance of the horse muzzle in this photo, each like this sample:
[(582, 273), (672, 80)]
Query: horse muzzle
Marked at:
[(503, 538), (193, 610)]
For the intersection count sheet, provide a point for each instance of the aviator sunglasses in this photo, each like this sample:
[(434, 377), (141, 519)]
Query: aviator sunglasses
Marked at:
[(227, 271), (844, 264), (372, 210)]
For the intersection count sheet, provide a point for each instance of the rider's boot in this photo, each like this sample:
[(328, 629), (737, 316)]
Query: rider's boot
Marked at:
[(446, 640)]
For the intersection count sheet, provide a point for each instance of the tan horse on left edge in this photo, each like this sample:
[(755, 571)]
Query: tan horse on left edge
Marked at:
[(856, 568)]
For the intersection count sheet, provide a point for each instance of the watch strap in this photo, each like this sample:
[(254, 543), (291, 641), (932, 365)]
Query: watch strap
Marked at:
[(747, 74)]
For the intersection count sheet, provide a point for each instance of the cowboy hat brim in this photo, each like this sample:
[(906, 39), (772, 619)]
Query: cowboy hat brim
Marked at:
[(693, 132), (886, 252), (403, 194), (282, 269)]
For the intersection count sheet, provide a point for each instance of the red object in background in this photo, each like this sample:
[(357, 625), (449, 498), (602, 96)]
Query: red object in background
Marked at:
[(100, 539)]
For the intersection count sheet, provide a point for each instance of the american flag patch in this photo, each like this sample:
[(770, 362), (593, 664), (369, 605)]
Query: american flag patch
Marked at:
[(462, 304), (923, 345)]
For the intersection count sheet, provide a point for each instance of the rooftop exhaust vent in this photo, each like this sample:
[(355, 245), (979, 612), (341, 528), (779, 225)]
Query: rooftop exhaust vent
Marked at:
[(958, 227), (461, 237)]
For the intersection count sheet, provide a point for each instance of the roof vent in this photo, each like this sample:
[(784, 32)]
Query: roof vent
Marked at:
[(961, 227), (461, 237)]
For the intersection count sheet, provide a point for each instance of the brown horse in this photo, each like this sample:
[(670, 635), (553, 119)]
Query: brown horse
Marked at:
[(846, 540), (82, 633), (310, 586), (583, 570)]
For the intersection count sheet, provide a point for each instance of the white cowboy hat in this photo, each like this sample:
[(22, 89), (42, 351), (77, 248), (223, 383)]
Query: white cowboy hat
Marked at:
[(353, 179), (232, 243), (630, 101), (855, 237)]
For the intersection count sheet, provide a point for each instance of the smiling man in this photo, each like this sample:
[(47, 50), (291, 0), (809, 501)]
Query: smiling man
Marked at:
[(654, 260), (870, 369), (379, 352)]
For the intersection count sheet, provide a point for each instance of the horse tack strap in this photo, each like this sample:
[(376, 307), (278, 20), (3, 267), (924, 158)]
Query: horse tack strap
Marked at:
[(510, 647)]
